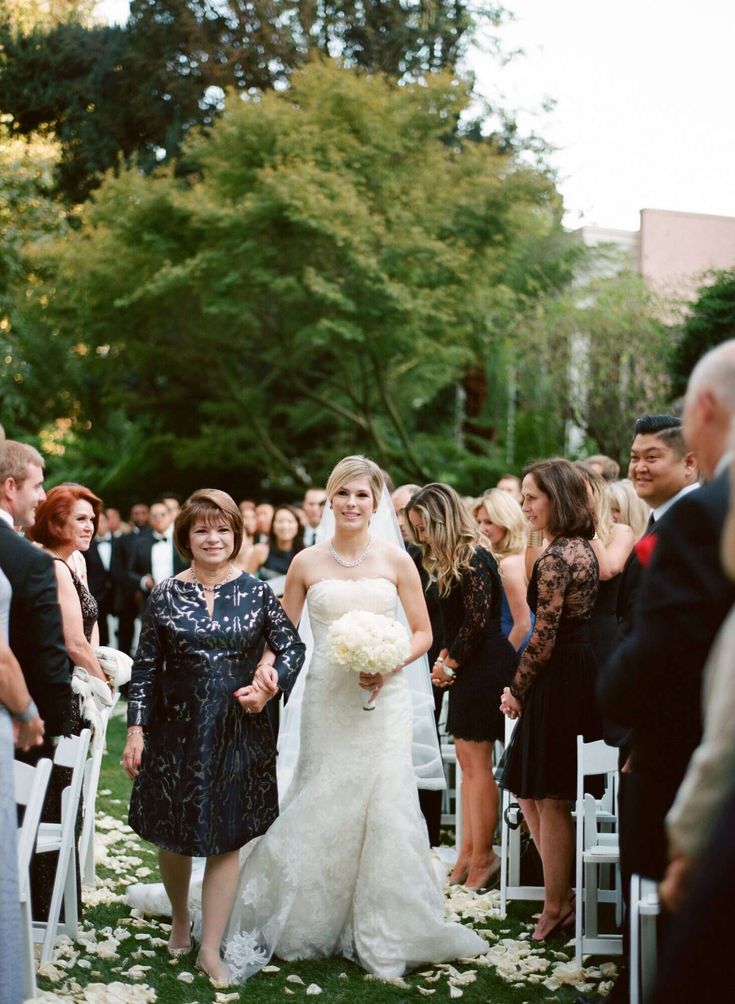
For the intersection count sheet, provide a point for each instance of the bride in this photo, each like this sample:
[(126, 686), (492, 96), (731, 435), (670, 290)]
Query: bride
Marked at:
[(346, 867)]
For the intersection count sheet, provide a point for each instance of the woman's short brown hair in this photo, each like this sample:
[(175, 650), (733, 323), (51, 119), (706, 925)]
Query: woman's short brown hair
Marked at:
[(208, 504), (571, 513), (53, 512)]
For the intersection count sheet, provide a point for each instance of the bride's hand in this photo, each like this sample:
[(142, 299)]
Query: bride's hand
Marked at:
[(251, 701), (373, 682), (266, 678)]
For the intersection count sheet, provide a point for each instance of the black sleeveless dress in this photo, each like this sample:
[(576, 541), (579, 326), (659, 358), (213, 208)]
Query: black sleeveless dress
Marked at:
[(43, 866), (470, 615), (555, 681)]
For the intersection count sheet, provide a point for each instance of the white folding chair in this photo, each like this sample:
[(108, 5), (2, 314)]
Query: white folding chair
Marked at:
[(71, 752), (91, 782), (595, 849), (30, 790), (510, 846), (644, 908), (452, 795)]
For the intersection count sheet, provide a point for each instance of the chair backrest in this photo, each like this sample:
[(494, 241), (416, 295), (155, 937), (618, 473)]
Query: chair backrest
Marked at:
[(30, 791), (72, 752), (594, 758), (510, 724)]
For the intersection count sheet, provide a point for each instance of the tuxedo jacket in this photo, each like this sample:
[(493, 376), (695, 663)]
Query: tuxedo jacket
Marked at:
[(35, 632), (99, 579), (141, 564), (653, 680)]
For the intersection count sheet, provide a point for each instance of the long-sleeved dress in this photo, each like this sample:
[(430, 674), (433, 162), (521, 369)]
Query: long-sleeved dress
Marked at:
[(207, 783), (555, 681), (487, 662)]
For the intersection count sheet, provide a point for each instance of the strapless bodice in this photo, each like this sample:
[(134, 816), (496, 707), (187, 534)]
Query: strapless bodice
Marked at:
[(329, 599)]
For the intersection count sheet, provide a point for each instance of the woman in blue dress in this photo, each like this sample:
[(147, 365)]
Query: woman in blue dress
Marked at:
[(501, 519), (202, 757)]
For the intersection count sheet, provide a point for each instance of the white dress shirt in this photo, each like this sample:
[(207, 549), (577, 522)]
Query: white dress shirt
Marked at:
[(104, 549), (162, 557)]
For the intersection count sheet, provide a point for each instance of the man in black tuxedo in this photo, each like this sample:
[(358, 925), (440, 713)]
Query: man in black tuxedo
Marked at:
[(653, 681), (35, 633), (155, 557), (126, 594), (98, 558)]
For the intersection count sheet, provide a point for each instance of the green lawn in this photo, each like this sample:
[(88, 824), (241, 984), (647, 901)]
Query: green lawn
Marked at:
[(121, 957)]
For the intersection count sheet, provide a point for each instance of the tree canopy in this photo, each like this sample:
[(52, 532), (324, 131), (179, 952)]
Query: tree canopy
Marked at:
[(711, 320), (318, 286)]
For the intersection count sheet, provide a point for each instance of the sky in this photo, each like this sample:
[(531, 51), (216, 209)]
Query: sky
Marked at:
[(643, 113)]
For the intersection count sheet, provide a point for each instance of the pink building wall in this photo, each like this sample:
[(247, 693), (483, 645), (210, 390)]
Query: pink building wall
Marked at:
[(677, 249)]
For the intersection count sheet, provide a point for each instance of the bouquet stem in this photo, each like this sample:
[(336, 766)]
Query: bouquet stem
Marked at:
[(367, 704)]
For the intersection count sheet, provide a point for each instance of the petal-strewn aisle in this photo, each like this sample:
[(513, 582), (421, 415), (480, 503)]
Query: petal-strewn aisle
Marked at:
[(120, 957)]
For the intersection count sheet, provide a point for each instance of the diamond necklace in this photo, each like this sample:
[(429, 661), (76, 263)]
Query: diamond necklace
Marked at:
[(343, 561), (211, 588)]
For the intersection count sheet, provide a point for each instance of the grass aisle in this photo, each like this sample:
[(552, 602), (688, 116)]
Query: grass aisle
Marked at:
[(121, 957)]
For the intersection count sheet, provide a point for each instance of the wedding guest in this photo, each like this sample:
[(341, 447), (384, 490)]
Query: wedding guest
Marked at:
[(612, 543), (313, 507), (475, 661), (154, 556), (552, 693), (268, 561), (98, 559), (512, 485), (114, 521), (172, 502), (249, 521), (263, 522), (34, 634), (607, 468), (627, 508), (501, 519), (127, 591), (202, 761), (65, 524)]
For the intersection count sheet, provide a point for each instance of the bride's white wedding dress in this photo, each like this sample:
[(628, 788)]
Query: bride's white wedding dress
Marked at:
[(346, 868)]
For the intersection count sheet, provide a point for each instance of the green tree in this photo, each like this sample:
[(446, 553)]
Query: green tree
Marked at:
[(594, 358), (711, 320), (319, 287)]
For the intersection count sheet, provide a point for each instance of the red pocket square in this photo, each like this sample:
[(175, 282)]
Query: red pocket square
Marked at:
[(644, 548)]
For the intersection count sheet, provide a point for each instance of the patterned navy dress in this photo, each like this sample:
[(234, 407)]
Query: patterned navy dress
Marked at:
[(207, 783)]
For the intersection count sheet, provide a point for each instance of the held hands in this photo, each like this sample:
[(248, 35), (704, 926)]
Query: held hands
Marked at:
[(27, 734), (265, 679), (510, 705), (252, 701)]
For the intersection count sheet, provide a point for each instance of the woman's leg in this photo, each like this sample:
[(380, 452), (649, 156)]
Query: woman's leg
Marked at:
[(481, 792), (218, 895), (529, 808), (464, 858), (176, 873), (557, 855)]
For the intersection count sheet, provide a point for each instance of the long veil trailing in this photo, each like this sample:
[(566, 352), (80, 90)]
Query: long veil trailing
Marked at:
[(427, 763)]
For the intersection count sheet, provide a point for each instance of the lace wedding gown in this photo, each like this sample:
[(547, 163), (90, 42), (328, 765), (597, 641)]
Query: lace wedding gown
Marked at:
[(346, 868)]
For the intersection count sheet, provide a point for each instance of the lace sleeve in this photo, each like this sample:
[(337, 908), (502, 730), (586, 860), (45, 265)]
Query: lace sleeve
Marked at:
[(148, 660), (553, 576), (477, 596), (283, 639)]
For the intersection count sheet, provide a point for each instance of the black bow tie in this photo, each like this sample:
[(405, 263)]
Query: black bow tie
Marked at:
[(158, 537)]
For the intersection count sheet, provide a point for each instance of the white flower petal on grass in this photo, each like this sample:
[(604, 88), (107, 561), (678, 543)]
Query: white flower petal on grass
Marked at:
[(455, 992), (271, 969), (288, 990), (221, 998), (425, 991), (137, 972), (50, 972), (343, 976), (313, 990), (294, 978), (186, 977)]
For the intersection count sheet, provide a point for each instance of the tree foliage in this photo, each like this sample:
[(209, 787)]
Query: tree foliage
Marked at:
[(133, 92), (318, 287), (711, 320)]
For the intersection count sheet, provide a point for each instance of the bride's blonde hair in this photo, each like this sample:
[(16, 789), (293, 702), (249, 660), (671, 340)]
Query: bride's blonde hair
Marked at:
[(354, 468), (452, 535)]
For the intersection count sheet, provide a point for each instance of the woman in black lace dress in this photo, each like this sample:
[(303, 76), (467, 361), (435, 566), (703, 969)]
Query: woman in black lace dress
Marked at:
[(65, 525), (553, 690), (201, 754), (475, 661)]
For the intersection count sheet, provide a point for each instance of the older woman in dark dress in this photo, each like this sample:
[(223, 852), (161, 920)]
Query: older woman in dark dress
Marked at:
[(202, 756)]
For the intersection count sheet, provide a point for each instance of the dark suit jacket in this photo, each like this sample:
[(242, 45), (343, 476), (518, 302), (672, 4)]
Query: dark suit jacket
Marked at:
[(140, 562), (36, 635), (653, 681), (99, 579)]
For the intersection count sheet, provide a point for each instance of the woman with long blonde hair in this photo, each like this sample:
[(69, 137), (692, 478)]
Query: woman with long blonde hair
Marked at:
[(476, 661), (501, 519), (626, 507)]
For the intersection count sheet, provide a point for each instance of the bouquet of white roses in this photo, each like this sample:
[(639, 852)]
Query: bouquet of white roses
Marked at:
[(365, 642)]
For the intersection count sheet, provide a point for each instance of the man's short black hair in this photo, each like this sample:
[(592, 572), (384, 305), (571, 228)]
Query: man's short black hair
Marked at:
[(667, 428)]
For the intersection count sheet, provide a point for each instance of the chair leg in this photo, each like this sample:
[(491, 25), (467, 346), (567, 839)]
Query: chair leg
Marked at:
[(647, 954), (52, 924), (635, 945), (29, 957), (590, 901)]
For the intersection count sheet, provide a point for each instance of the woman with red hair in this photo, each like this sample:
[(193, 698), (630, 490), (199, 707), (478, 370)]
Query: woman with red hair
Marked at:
[(66, 523)]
